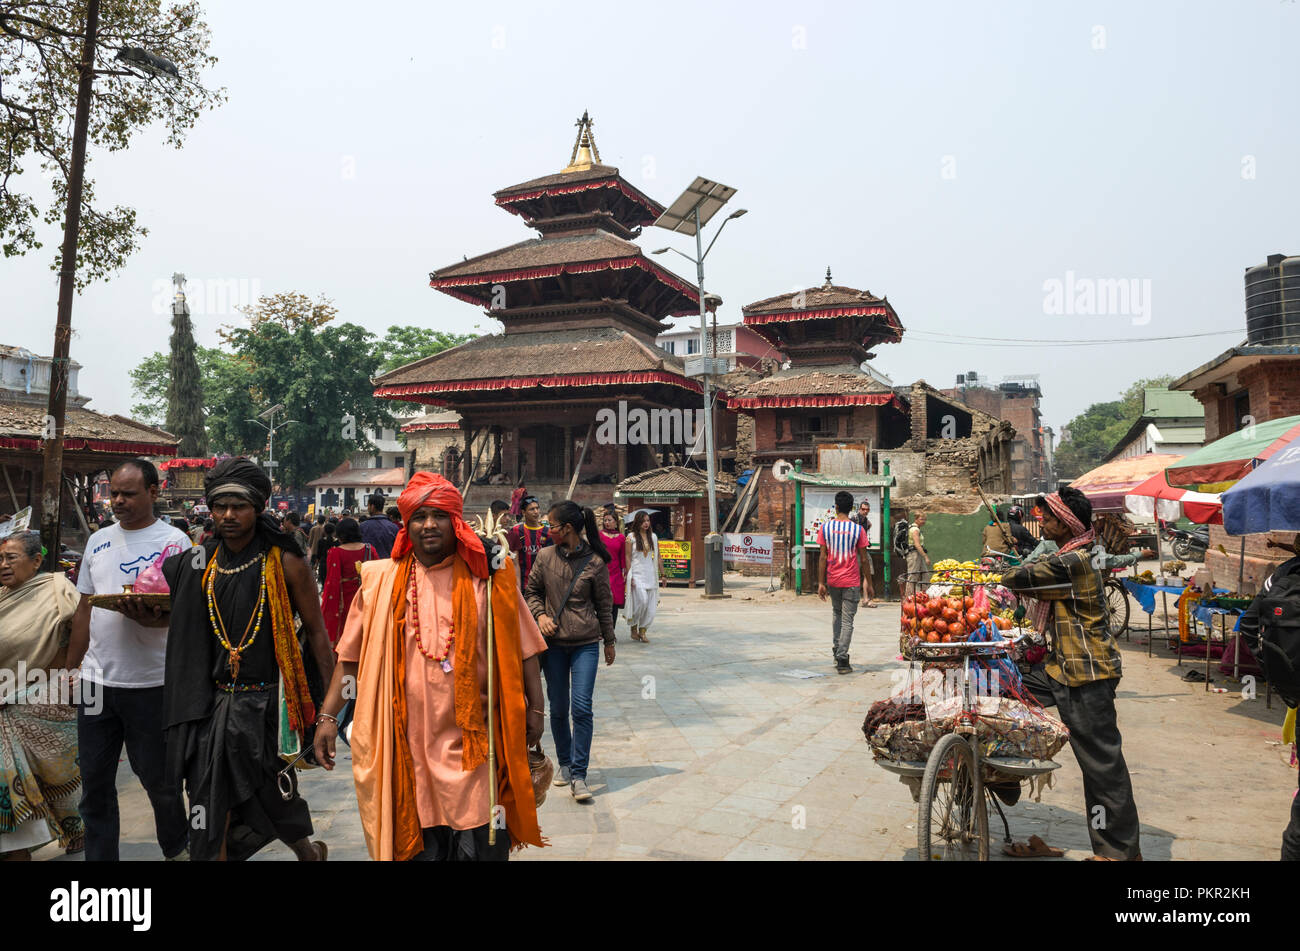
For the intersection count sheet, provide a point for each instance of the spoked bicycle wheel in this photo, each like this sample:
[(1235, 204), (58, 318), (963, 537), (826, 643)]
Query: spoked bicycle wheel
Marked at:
[(953, 819), (1117, 608)]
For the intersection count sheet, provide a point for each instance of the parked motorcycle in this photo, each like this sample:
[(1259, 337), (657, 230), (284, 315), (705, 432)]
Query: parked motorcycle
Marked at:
[(1191, 546)]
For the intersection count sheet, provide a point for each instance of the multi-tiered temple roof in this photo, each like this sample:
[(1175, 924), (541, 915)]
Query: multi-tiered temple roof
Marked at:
[(580, 305), (826, 333)]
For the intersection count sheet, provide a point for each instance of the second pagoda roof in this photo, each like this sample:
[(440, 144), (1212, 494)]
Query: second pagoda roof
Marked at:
[(827, 302), (575, 253)]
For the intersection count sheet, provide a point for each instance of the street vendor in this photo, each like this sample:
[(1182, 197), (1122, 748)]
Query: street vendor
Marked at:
[(1083, 669)]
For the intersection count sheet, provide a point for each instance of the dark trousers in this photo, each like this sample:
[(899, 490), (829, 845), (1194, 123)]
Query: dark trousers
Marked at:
[(570, 674), (134, 717), (1089, 713), (1291, 837), (445, 844)]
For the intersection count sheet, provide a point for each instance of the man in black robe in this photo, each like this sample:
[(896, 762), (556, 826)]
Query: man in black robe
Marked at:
[(231, 650)]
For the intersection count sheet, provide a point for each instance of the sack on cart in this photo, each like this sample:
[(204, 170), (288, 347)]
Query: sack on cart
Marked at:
[(1003, 727)]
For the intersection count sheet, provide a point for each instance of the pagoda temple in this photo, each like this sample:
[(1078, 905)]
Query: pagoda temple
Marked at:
[(580, 306), (825, 333)]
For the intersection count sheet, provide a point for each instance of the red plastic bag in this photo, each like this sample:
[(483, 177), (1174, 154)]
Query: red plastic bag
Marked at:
[(151, 580)]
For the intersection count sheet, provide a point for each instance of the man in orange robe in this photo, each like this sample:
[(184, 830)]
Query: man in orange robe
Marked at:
[(419, 734)]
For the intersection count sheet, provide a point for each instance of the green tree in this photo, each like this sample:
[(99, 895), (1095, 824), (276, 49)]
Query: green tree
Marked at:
[(1094, 432), (185, 387), (321, 372), (40, 49), (403, 345)]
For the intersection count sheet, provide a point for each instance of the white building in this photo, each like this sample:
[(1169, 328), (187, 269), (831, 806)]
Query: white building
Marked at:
[(383, 469)]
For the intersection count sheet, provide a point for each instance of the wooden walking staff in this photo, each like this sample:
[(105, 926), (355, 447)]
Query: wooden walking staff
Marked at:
[(993, 513), (492, 733)]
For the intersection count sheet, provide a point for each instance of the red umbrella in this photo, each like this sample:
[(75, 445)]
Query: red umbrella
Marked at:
[(1156, 495)]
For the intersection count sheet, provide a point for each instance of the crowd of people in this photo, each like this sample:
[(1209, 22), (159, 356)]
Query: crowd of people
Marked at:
[(433, 649), (220, 696)]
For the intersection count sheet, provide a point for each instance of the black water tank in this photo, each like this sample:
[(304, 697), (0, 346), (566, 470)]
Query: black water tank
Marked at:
[(1273, 302)]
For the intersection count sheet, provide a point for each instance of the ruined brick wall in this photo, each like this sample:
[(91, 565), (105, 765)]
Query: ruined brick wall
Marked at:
[(744, 441), (907, 467)]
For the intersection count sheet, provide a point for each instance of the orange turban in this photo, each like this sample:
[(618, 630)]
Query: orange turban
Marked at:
[(427, 489)]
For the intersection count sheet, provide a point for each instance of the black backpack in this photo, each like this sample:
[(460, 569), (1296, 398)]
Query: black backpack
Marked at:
[(1276, 641), (902, 545)]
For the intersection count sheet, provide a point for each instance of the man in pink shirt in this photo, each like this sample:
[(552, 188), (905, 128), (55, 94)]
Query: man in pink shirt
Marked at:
[(842, 570)]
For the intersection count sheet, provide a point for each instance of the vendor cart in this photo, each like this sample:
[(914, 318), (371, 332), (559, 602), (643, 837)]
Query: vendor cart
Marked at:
[(956, 781)]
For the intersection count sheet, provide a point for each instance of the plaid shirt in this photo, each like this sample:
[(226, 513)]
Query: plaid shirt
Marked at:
[(1082, 649)]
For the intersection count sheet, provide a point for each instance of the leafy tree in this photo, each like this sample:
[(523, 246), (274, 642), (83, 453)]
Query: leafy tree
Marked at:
[(1094, 433), (40, 49), (403, 345), (321, 374), (185, 388)]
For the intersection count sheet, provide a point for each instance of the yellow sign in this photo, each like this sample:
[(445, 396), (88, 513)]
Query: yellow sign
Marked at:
[(676, 559), (311, 511)]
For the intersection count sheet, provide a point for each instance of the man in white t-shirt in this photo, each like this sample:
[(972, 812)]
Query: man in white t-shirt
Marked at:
[(124, 654)]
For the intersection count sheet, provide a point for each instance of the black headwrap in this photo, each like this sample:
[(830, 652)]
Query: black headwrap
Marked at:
[(245, 479)]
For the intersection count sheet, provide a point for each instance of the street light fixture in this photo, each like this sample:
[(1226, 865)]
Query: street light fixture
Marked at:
[(688, 215), (271, 428)]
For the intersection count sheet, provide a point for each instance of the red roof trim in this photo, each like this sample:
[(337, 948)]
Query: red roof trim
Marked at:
[(189, 463), (642, 200), (92, 445), (784, 402), (823, 313), (410, 390), (448, 284), (422, 427)]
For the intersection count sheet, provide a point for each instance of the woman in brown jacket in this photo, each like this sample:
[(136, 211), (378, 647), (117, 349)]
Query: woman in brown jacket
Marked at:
[(568, 593)]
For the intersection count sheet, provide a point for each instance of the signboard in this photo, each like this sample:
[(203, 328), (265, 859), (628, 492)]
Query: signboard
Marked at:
[(21, 522), (752, 549), (819, 506), (676, 559)]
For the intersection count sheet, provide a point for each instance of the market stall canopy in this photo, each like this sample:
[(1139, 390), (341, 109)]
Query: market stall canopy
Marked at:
[(1108, 484), (1155, 497), (1267, 500), (1223, 462)]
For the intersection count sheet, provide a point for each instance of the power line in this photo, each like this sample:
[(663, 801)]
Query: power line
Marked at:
[(934, 336)]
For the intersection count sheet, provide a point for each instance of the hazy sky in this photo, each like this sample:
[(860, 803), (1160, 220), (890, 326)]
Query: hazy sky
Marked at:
[(956, 156)]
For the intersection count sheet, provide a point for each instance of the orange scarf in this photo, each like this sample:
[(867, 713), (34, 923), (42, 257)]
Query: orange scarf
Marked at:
[(385, 776)]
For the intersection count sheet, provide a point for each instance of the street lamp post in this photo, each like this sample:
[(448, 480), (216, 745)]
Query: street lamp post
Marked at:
[(687, 215), (270, 428)]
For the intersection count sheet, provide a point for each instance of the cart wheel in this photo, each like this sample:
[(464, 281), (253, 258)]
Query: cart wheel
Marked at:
[(953, 818), (1117, 608)]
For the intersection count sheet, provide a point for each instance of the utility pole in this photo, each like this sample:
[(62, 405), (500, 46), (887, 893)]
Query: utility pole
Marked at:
[(52, 471)]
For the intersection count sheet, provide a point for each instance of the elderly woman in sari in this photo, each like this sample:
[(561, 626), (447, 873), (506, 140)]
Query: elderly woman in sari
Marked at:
[(40, 782)]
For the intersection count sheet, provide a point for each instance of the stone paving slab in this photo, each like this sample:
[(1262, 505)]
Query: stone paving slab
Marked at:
[(704, 749)]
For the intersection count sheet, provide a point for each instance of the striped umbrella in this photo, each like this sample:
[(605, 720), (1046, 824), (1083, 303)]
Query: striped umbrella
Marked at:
[(1155, 497), (1222, 463)]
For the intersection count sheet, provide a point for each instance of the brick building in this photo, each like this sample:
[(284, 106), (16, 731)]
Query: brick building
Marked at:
[(1256, 381), (1015, 400)]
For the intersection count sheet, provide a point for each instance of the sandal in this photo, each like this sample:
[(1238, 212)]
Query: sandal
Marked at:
[(1035, 848)]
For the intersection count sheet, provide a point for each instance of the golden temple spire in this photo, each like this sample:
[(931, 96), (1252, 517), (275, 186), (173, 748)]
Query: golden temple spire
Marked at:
[(585, 154)]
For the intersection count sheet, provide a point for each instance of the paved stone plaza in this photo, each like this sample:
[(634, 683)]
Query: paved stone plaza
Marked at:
[(707, 747)]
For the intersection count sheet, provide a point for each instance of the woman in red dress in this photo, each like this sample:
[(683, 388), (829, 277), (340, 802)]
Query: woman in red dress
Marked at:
[(615, 542), (341, 578)]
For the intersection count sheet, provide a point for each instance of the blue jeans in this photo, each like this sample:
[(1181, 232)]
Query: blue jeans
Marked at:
[(132, 716), (571, 671)]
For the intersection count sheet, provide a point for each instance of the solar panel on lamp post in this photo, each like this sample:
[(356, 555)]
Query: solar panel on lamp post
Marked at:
[(688, 215)]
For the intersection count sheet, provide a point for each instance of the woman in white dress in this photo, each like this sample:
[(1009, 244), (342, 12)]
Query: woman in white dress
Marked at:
[(644, 576)]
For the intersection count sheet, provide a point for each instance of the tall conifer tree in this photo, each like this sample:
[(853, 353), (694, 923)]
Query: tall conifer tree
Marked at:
[(185, 385)]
